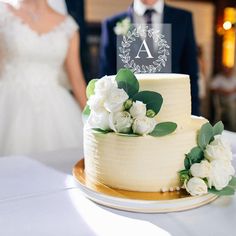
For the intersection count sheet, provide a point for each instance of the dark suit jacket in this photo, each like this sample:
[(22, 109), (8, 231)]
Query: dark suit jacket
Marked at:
[(184, 53)]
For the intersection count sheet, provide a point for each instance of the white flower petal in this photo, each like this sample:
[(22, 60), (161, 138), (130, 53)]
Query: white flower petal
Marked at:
[(144, 125), (218, 149), (120, 122), (138, 110)]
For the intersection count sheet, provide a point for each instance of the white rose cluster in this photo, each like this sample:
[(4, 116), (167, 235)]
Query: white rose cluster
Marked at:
[(108, 111), (107, 99), (142, 124), (215, 170)]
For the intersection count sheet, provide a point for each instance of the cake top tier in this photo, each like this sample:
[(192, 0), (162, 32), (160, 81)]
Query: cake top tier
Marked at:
[(175, 90)]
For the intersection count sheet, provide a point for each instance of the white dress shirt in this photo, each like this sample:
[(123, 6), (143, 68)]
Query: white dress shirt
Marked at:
[(140, 8), (157, 16)]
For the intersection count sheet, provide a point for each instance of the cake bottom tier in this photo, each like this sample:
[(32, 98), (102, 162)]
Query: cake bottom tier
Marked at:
[(145, 163)]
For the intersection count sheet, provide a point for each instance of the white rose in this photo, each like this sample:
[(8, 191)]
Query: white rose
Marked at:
[(144, 125), (120, 122), (138, 110), (196, 186), (99, 120), (104, 85), (115, 100), (96, 103), (201, 170), (221, 173), (119, 30), (122, 27), (218, 149)]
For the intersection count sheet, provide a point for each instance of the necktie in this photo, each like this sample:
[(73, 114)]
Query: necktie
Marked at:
[(148, 16)]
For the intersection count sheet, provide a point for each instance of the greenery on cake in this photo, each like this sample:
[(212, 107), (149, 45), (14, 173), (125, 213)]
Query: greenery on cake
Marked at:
[(208, 167), (115, 104)]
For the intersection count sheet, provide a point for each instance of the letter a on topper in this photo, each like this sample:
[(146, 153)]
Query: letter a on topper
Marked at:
[(146, 50)]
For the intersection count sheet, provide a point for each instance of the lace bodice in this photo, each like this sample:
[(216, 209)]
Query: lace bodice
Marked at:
[(26, 56)]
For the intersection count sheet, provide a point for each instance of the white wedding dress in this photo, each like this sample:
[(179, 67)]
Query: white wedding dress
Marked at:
[(37, 113)]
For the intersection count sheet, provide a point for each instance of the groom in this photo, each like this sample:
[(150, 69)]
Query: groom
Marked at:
[(184, 56)]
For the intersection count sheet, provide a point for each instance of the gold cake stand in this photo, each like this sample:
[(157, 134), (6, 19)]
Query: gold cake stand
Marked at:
[(147, 202)]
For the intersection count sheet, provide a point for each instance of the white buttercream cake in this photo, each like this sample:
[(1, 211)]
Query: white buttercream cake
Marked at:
[(147, 163)]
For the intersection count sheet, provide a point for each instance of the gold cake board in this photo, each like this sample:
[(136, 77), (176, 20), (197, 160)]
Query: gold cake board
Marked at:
[(147, 202)]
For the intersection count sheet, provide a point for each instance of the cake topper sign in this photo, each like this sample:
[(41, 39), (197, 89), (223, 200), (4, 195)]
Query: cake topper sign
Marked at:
[(143, 49)]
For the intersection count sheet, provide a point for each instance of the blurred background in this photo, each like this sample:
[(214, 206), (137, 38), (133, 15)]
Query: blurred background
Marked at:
[(215, 32), (214, 22)]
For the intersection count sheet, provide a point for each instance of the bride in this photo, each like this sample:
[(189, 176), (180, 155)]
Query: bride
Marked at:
[(37, 47)]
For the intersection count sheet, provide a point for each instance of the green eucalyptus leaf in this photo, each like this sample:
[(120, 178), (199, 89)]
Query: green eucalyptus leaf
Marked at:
[(128, 135), (205, 135), (150, 113), (163, 129), (90, 88), (86, 110), (218, 128), (184, 172), (152, 100), (227, 191), (85, 114), (187, 163), (128, 104), (126, 80), (232, 182), (196, 155), (101, 130)]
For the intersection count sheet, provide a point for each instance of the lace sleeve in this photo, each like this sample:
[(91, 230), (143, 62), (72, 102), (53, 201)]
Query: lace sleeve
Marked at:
[(71, 26)]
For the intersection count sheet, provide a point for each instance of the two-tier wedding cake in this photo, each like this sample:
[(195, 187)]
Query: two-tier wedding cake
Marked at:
[(140, 136)]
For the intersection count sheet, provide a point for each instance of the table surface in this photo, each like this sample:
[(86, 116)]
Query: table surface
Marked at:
[(39, 196)]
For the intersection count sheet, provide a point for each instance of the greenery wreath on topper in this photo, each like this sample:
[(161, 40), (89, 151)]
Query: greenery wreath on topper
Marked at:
[(129, 34), (144, 32), (208, 167), (115, 104)]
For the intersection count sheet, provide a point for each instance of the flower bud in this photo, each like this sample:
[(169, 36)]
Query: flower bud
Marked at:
[(128, 104), (138, 110), (150, 113), (196, 186)]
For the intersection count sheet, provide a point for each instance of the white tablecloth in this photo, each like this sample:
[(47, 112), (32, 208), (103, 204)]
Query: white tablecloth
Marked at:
[(38, 196)]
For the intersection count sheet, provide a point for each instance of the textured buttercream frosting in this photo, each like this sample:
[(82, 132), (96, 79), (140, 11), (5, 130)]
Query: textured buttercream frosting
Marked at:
[(146, 163), (142, 163), (175, 90)]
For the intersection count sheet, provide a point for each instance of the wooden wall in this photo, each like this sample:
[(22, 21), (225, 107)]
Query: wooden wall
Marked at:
[(98, 10)]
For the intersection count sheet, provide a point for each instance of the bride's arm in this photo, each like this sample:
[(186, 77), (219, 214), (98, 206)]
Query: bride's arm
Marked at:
[(74, 71)]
